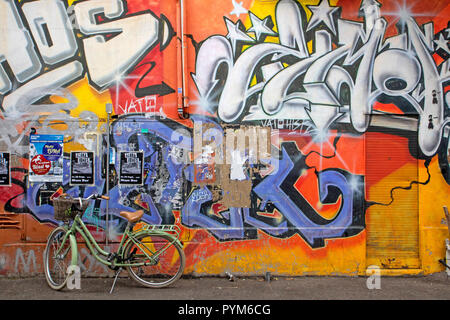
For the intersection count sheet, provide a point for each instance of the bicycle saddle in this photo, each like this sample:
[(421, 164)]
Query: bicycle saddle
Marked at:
[(132, 216)]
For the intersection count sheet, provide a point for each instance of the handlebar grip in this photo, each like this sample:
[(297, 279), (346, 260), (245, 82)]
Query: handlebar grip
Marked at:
[(105, 197)]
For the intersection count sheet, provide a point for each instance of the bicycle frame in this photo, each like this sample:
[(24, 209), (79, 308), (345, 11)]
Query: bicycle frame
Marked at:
[(78, 226)]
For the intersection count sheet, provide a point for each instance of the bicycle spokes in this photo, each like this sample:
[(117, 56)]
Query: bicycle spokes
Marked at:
[(157, 260), (57, 258)]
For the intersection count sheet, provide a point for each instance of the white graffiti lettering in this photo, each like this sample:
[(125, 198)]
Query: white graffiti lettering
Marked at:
[(351, 67), (56, 45)]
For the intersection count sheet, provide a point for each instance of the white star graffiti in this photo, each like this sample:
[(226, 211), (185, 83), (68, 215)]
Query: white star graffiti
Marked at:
[(260, 27), (442, 43), (238, 9), (235, 34), (322, 12)]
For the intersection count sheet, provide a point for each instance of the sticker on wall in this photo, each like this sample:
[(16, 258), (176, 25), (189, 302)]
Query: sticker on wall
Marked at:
[(5, 169), (46, 158), (82, 168), (204, 173), (131, 167)]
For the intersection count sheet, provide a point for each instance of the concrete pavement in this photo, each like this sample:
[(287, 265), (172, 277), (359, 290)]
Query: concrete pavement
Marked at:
[(435, 287)]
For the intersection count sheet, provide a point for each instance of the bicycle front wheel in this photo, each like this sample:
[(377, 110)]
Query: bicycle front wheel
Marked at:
[(168, 260), (56, 263)]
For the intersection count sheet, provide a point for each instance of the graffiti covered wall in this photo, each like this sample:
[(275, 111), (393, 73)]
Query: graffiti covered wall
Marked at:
[(314, 134)]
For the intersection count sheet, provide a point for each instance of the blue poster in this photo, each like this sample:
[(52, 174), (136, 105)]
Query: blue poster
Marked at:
[(46, 158)]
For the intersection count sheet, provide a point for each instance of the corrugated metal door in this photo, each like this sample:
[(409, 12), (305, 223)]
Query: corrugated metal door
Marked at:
[(393, 222)]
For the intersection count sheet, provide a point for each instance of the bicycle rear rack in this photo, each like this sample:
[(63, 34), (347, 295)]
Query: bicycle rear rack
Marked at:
[(169, 228)]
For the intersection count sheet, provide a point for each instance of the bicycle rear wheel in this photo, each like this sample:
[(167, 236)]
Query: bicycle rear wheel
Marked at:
[(167, 267), (56, 266)]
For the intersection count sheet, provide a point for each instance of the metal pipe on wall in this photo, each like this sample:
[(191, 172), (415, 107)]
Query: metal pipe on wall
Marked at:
[(181, 56), (108, 147)]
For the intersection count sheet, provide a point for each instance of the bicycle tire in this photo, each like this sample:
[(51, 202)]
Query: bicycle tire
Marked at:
[(55, 268), (166, 270)]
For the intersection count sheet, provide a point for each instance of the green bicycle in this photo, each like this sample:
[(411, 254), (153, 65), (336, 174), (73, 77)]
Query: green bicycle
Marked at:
[(152, 254)]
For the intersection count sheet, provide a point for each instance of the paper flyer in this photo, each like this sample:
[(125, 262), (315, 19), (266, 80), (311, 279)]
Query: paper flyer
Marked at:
[(82, 168), (131, 168), (46, 158), (5, 169)]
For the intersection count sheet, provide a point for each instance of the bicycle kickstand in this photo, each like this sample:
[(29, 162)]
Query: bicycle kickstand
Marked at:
[(115, 279)]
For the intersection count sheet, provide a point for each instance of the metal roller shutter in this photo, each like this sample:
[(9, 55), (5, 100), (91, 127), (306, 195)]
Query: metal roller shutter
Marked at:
[(393, 224)]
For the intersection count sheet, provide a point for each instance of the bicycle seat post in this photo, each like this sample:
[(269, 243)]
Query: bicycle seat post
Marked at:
[(130, 226)]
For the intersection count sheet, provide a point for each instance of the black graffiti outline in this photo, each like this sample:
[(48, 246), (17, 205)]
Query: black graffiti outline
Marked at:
[(162, 89), (8, 205), (409, 187)]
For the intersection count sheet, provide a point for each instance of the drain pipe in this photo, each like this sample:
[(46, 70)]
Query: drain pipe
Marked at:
[(108, 146), (181, 56)]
